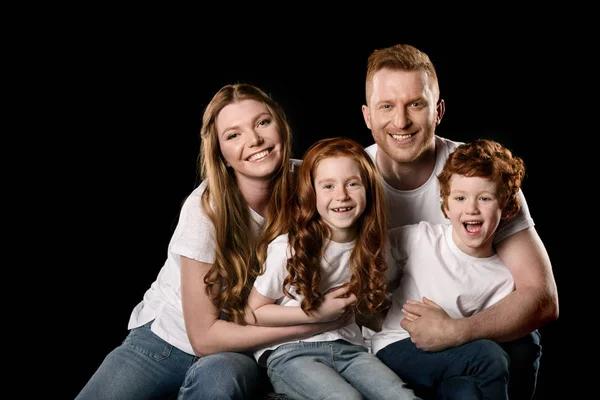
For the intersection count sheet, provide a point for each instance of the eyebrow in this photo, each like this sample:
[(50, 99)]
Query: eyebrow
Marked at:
[(334, 179), (254, 119)]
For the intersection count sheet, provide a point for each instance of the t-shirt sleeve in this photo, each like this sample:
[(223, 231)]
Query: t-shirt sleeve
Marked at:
[(194, 235), (521, 221), (270, 284)]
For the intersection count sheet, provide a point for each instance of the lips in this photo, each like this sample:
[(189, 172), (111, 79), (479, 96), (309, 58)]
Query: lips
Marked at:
[(259, 155), (342, 209)]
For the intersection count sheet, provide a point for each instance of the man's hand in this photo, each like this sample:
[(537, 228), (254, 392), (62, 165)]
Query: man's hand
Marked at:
[(428, 325)]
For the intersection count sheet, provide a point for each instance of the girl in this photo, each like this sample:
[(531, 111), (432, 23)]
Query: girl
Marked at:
[(336, 238), (246, 174)]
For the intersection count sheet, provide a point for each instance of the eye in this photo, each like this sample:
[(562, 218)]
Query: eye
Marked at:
[(328, 186), (232, 136), (459, 198), (264, 122)]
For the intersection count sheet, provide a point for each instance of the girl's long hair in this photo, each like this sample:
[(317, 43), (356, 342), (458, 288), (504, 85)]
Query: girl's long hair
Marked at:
[(308, 233), (236, 265)]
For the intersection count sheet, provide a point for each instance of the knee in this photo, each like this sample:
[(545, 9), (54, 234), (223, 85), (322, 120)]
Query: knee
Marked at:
[(491, 355)]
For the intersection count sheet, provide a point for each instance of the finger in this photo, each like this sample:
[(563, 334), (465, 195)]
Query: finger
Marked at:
[(338, 291), (409, 315), (351, 299), (430, 302), (414, 308)]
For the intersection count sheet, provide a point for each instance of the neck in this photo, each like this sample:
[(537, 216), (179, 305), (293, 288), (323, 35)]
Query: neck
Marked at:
[(256, 192), (407, 175)]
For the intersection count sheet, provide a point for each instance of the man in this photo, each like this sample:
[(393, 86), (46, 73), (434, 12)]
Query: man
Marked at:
[(402, 111)]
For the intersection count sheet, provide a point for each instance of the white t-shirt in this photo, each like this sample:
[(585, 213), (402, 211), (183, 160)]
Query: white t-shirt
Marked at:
[(193, 238), (423, 204), (335, 271), (432, 265)]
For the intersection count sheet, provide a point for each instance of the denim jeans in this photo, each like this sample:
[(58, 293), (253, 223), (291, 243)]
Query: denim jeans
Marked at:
[(146, 367), (335, 370), (475, 370)]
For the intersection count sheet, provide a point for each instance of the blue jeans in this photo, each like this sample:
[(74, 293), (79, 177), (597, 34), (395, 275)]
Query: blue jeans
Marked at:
[(335, 370), (146, 367), (475, 370)]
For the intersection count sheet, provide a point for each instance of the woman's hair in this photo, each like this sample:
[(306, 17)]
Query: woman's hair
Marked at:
[(401, 57), (486, 159), (308, 232), (236, 265)]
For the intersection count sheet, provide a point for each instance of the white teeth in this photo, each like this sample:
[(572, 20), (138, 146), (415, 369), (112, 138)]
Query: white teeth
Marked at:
[(342, 209), (472, 223), (401, 137), (258, 156)]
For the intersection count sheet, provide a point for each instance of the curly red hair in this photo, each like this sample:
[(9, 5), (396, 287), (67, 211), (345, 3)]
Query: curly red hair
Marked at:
[(308, 232)]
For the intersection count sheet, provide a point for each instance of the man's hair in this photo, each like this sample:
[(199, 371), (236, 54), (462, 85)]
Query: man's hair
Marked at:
[(401, 57)]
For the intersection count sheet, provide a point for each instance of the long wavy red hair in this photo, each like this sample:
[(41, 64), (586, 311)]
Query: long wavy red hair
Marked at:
[(308, 232)]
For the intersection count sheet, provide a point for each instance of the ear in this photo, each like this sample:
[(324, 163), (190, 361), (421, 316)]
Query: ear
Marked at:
[(366, 115), (440, 109)]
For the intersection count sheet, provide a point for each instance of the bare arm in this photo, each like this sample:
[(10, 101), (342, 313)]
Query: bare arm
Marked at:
[(533, 303), (268, 314), (210, 335)]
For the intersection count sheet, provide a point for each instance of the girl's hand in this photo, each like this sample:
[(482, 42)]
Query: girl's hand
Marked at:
[(337, 303)]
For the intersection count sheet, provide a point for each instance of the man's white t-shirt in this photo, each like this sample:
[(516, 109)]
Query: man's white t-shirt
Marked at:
[(423, 204), (432, 265), (335, 271)]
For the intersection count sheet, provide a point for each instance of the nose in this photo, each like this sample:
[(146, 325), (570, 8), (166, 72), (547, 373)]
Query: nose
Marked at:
[(341, 193), (400, 119), (472, 206), (254, 139)]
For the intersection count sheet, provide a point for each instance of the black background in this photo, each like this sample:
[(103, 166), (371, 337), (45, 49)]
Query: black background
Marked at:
[(137, 98)]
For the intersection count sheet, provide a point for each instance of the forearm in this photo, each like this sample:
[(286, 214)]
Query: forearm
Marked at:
[(229, 336), (518, 314), (277, 315)]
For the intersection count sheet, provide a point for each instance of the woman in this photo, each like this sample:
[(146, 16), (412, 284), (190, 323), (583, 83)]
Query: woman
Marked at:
[(195, 307)]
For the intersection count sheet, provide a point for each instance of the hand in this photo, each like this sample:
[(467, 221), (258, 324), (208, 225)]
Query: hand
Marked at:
[(429, 326), (336, 303)]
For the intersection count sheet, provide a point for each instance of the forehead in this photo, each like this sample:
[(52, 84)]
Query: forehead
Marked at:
[(396, 83), (472, 184), (337, 167), (239, 113)]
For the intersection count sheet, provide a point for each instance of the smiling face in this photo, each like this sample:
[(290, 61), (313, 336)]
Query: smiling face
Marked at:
[(474, 209), (341, 196), (402, 113), (249, 140)]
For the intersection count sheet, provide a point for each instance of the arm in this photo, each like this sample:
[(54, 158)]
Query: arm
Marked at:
[(268, 314), (533, 303), (208, 334)]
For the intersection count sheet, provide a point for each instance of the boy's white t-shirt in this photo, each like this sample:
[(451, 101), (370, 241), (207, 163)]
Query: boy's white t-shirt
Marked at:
[(335, 271), (432, 265), (423, 204)]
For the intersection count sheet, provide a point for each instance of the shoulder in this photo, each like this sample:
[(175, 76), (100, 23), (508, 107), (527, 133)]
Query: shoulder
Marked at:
[(280, 242), (295, 164), (445, 144), (372, 150)]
